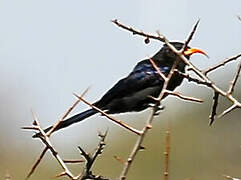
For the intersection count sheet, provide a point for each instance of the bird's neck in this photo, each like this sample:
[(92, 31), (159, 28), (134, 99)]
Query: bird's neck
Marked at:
[(166, 61)]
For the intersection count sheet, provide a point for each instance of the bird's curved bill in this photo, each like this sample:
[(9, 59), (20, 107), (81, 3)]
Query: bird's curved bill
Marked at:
[(191, 51)]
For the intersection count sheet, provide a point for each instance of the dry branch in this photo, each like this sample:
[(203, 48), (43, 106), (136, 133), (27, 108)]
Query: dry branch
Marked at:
[(191, 79), (223, 63), (236, 103), (45, 139), (86, 174), (201, 74), (181, 96), (37, 162), (90, 159), (190, 37), (148, 126), (203, 80), (234, 81), (167, 151), (137, 146), (136, 32)]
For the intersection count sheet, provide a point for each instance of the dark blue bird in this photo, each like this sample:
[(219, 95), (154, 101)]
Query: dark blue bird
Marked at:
[(133, 92)]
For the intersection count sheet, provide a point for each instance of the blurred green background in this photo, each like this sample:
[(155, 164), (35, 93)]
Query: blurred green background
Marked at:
[(50, 49)]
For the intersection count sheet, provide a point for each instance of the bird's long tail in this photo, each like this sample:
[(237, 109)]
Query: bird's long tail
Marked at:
[(74, 119)]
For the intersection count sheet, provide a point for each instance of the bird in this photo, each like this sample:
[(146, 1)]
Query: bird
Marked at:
[(133, 93)]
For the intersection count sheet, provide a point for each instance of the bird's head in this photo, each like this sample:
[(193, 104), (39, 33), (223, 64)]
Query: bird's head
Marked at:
[(167, 54)]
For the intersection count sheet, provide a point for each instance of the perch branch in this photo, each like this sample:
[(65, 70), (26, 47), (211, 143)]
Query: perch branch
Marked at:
[(148, 126), (198, 72)]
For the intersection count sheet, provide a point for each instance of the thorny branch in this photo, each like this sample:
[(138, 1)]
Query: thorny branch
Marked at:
[(181, 96), (191, 79), (148, 126), (236, 103), (201, 74), (234, 81), (223, 63), (45, 139), (87, 173), (37, 162), (136, 32), (167, 151), (214, 108), (204, 80), (190, 37), (137, 146)]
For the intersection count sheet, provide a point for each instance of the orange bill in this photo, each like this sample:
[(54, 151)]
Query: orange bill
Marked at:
[(191, 51)]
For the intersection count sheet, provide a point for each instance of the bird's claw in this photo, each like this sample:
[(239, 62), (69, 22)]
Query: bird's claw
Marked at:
[(157, 108)]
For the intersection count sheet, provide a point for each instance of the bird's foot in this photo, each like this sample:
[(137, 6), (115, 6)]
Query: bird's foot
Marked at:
[(157, 108)]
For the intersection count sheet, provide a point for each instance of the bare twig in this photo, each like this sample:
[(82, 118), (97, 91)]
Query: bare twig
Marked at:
[(181, 96), (149, 121), (137, 146), (136, 32), (191, 79), (167, 151), (190, 36), (228, 110), (234, 81), (148, 126), (86, 174), (201, 74), (236, 103), (90, 159), (224, 62), (37, 162), (45, 139), (110, 117), (214, 108)]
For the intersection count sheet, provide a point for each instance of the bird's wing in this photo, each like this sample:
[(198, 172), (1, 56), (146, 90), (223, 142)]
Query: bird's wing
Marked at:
[(143, 76)]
